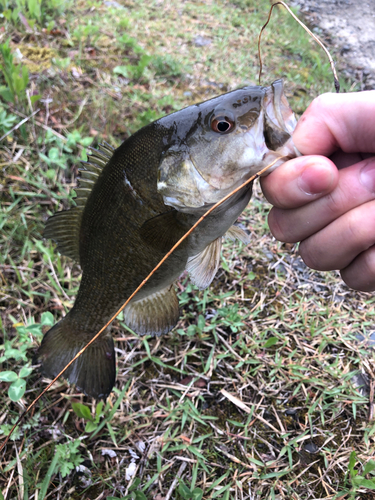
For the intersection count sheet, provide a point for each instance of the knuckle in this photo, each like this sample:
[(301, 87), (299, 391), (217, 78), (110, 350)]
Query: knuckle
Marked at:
[(279, 224), (310, 255)]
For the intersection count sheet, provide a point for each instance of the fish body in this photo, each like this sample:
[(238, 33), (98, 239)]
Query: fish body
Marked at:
[(134, 203)]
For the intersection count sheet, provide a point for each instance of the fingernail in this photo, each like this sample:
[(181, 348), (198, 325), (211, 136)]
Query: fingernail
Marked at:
[(367, 176), (315, 179)]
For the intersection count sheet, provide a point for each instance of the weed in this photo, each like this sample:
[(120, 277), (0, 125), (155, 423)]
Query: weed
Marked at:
[(17, 382), (134, 493), (35, 12), (16, 77), (188, 494), (83, 411), (65, 460), (357, 478), (26, 334), (7, 120), (134, 71)]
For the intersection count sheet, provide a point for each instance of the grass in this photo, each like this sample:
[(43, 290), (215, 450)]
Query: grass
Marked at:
[(254, 395)]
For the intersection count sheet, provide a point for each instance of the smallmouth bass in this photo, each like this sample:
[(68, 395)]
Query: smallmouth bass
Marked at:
[(134, 203)]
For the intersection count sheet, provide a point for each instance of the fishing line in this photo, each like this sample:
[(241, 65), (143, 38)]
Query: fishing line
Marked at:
[(255, 176), (336, 80)]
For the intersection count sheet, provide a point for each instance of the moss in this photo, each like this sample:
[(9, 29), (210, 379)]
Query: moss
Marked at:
[(36, 59)]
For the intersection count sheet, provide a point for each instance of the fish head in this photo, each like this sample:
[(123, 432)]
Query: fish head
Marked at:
[(222, 142)]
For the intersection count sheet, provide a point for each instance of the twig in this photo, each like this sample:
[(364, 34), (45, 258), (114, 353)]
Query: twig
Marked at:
[(19, 124), (77, 115), (45, 127), (371, 400), (32, 121), (173, 485), (56, 278), (336, 80), (237, 356)]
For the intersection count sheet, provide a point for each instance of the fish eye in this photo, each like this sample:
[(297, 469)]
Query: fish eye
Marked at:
[(222, 124)]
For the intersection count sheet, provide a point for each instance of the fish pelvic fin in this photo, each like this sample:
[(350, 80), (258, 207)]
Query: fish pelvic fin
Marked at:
[(94, 372), (203, 266), (154, 315), (237, 233), (64, 227)]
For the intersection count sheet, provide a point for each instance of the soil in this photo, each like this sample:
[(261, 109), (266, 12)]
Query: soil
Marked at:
[(350, 27)]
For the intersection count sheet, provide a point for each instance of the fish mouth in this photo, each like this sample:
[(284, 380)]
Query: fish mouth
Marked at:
[(278, 114), (279, 124)]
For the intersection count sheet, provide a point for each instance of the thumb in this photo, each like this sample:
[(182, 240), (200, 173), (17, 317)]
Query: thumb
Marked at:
[(300, 181)]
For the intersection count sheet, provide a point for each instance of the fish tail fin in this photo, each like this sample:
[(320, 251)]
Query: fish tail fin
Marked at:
[(94, 372)]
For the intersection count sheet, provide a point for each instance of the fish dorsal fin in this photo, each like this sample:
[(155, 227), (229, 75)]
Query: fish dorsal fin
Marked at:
[(203, 266), (64, 227), (156, 314), (237, 233)]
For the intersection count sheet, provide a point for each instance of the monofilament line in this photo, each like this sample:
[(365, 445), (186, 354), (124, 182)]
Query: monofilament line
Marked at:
[(336, 80)]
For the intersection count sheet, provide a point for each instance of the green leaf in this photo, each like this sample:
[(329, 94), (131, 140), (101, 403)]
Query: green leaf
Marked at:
[(121, 70), (91, 427), (17, 389), (139, 495), (25, 371), (136, 483), (48, 477), (7, 13), (82, 411), (47, 319), (270, 342), (86, 141), (35, 98), (54, 154), (366, 483), (352, 462), (6, 94), (197, 494), (201, 322), (98, 411), (8, 376), (65, 467), (184, 491), (196, 452), (370, 466)]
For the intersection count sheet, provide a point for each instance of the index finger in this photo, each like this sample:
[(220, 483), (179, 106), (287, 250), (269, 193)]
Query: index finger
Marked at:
[(337, 121)]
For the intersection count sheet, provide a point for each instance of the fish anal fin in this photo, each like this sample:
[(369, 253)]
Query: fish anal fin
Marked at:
[(237, 233), (154, 315), (94, 372), (203, 266), (163, 231), (64, 227)]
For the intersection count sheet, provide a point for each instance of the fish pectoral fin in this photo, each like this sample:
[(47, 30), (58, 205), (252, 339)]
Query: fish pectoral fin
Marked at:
[(203, 266), (94, 372), (163, 231), (237, 233), (156, 314)]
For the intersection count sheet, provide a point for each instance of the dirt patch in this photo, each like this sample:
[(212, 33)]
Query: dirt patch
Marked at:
[(351, 27)]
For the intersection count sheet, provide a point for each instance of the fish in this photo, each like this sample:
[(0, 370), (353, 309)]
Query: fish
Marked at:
[(135, 202)]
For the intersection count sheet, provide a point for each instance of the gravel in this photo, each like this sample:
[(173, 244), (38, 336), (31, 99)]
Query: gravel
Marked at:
[(350, 26)]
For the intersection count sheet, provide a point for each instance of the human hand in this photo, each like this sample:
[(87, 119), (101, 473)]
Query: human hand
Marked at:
[(328, 204)]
